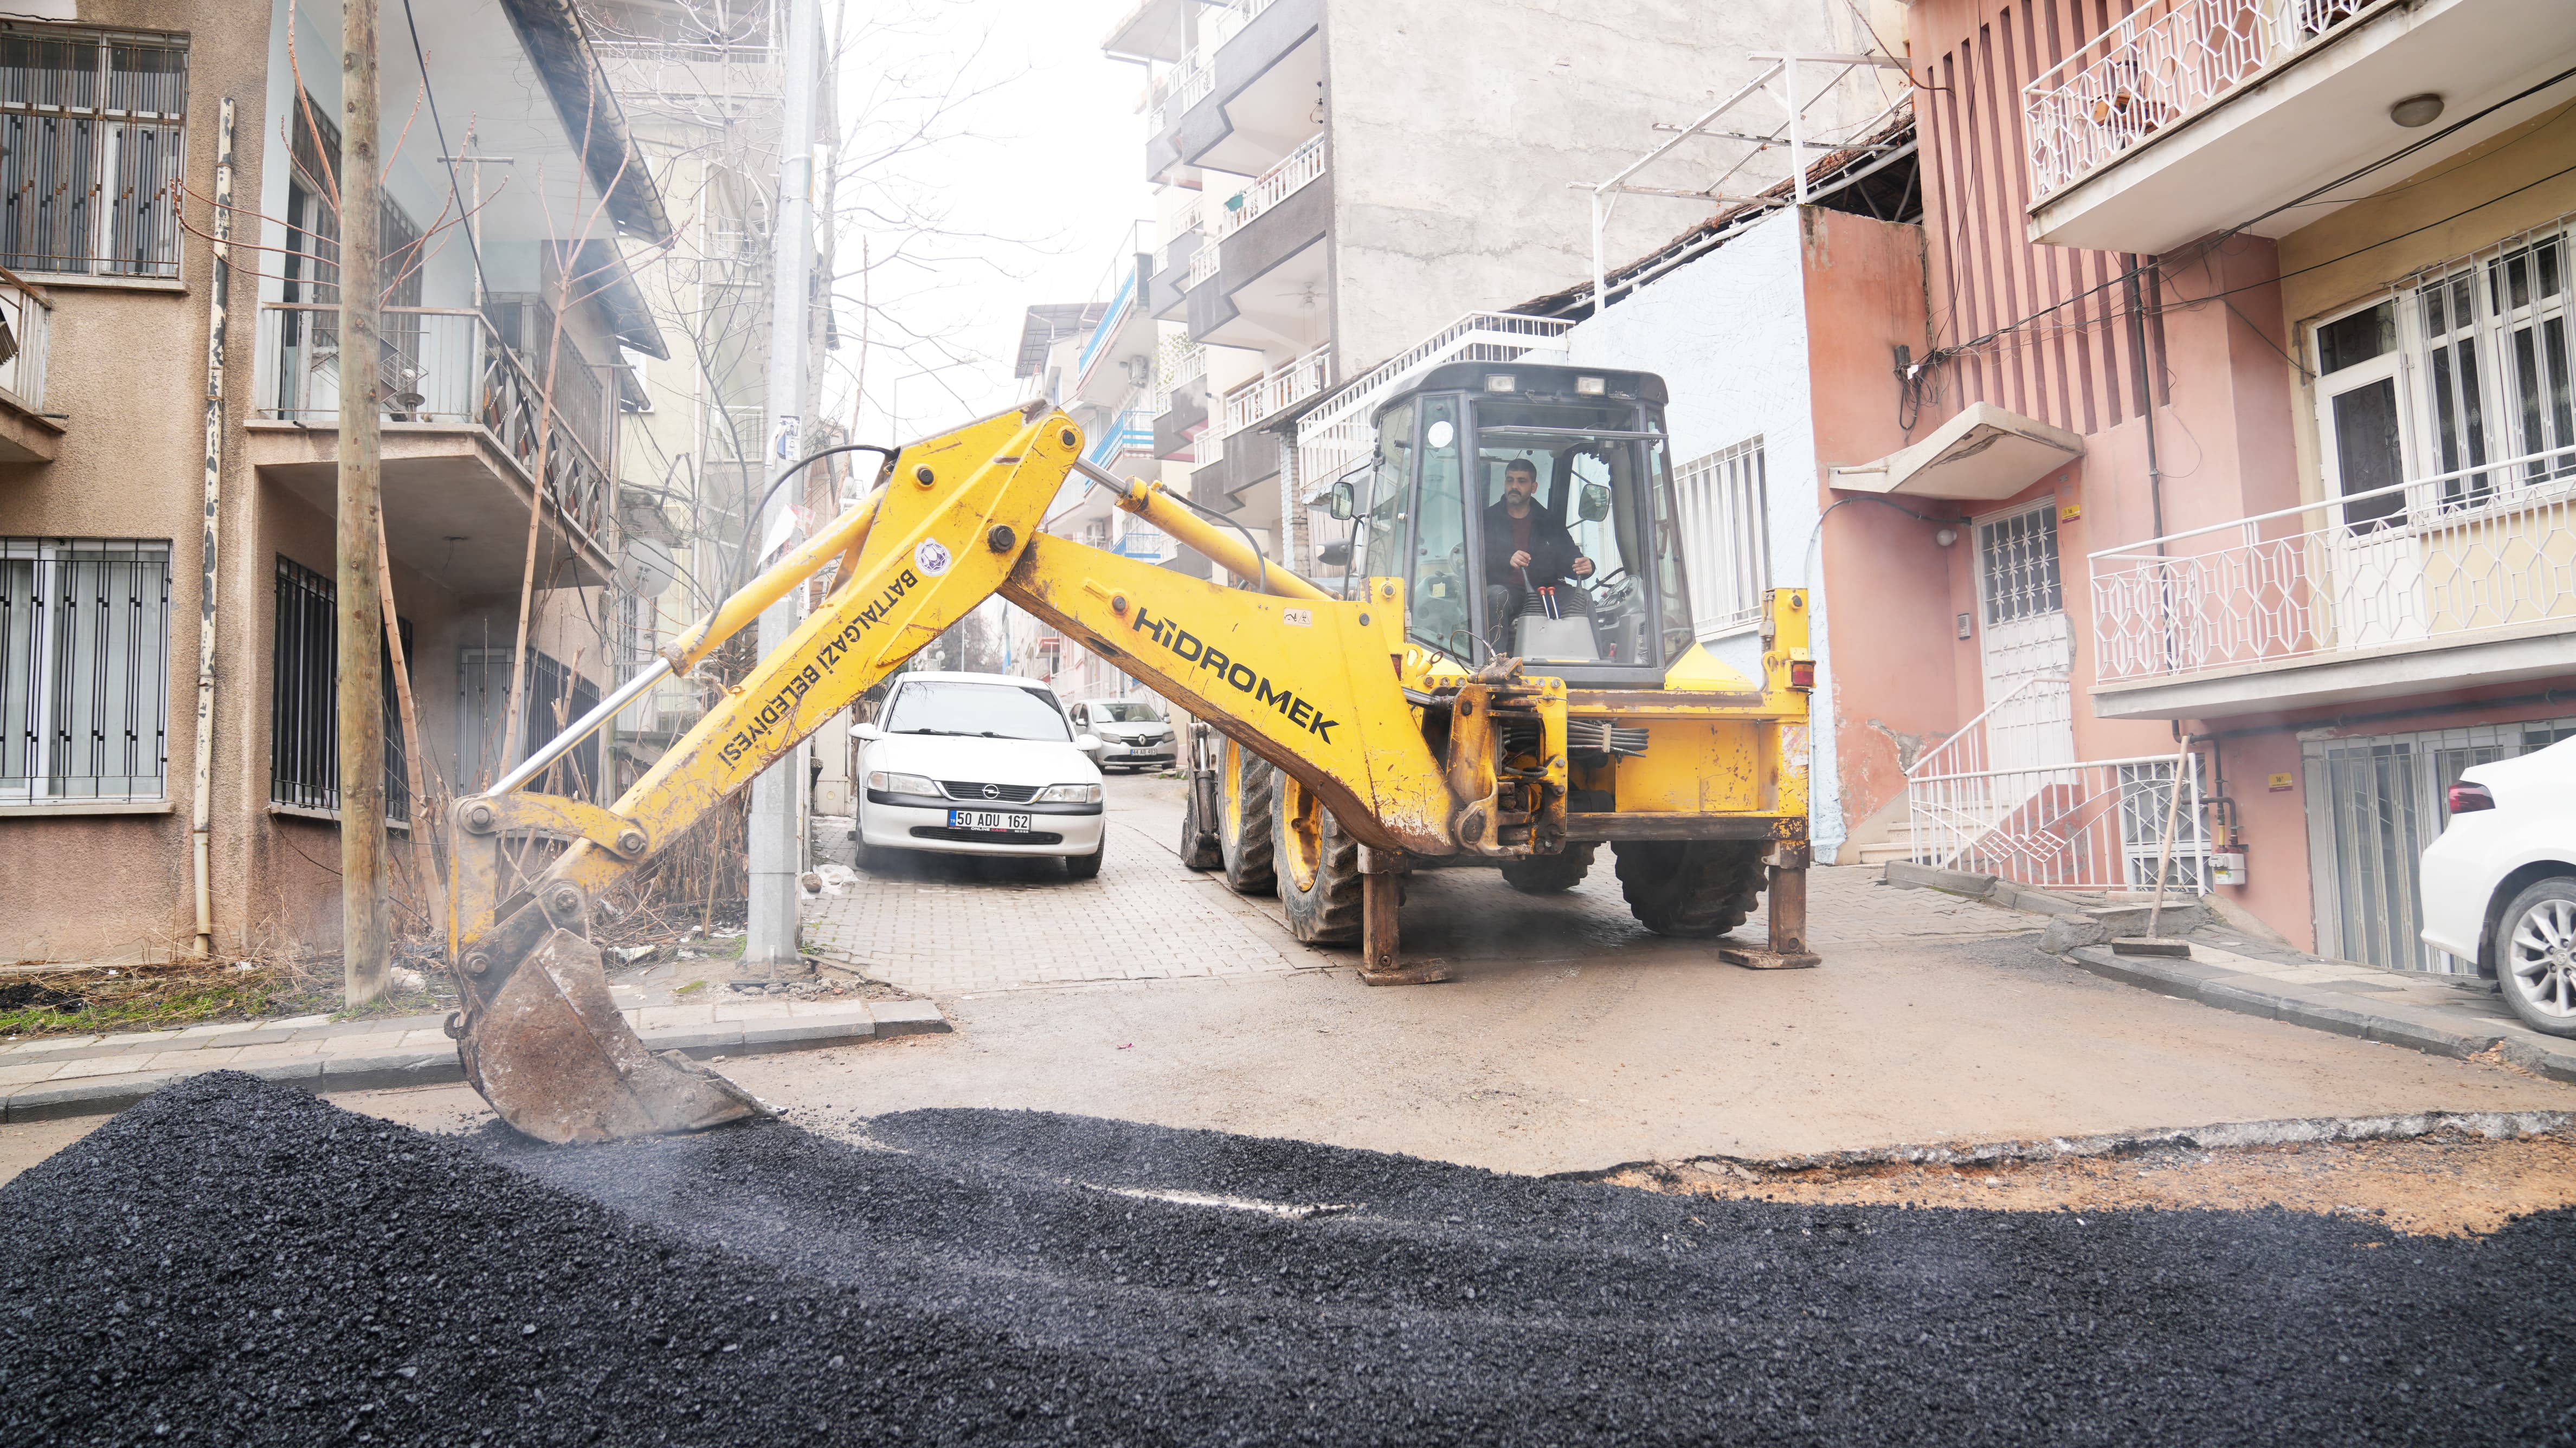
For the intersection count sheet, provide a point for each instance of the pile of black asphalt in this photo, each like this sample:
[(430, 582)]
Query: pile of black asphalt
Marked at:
[(236, 1262)]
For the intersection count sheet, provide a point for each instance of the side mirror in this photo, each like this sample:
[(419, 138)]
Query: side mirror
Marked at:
[(1345, 503), (1594, 504), (866, 731), (1088, 743)]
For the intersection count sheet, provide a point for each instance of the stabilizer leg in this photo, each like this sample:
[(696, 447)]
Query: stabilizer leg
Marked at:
[(1381, 890)]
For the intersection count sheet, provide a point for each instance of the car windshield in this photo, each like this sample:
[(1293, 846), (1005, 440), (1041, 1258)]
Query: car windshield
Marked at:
[(1125, 713), (1579, 574), (988, 711)]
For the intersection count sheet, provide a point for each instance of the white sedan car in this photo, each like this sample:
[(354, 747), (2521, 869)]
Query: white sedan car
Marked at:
[(2500, 884), (977, 764)]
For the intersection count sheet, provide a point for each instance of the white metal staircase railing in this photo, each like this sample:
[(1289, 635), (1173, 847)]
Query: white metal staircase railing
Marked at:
[(1988, 800)]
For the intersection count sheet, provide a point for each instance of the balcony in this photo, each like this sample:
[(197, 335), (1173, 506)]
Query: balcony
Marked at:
[(2453, 581), (464, 428), (27, 435), (2191, 116), (1244, 95), (1129, 437), (1180, 398), (1114, 357), (1179, 264), (1252, 402), (1265, 286), (691, 79)]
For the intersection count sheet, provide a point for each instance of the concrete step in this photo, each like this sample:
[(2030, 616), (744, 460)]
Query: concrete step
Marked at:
[(1880, 854)]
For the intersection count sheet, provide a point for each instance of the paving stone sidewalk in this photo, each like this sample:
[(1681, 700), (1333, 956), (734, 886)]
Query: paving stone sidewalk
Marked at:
[(88, 1075)]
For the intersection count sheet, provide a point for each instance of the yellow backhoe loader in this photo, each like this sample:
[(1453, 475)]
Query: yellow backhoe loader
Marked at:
[(1445, 707)]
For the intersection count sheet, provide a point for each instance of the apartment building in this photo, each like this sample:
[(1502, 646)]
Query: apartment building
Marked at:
[(1348, 192), (166, 507)]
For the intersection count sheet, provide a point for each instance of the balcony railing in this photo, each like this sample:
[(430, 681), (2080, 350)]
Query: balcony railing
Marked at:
[(26, 331), (654, 72), (2447, 559), (1272, 186), (1190, 81), (1202, 266), (449, 366), (1131, 431), (1337, 433), (1177, 362), (1269, 393), (2166, 60)]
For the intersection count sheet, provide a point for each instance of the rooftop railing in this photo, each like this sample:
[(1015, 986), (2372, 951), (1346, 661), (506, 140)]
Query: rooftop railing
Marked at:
[(2168, 59), (1337, 432), (448, 365), (2447, 559)]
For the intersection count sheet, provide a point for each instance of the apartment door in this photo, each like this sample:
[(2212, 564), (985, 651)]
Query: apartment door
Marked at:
[(2374, 574), (2028, 647)]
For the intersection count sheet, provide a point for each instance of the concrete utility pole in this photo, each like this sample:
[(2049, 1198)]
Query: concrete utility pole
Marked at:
[(363, 909), (776, 838)]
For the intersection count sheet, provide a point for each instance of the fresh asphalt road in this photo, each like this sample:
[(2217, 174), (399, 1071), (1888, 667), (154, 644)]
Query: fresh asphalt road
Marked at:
[(1571, 1041)]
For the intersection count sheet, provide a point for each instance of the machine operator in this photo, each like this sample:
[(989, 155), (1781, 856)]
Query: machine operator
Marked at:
[(1523, 542)]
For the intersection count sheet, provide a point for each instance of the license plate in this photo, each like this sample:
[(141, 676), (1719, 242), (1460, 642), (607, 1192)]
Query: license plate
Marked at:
[(976, 819)]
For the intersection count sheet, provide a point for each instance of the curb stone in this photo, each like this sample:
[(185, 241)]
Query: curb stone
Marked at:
[(102, 1095), (2350, 1014)]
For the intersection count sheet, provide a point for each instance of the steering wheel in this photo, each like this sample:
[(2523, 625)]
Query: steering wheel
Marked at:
[(1600, 581)]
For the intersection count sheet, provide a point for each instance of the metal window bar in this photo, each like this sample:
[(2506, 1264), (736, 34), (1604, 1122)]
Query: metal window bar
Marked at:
[(84, 669), (93, 150), (1726, 514), (2379, 801), (304, 699), (2021, 566)]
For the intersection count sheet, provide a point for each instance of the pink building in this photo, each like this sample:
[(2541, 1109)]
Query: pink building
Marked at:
[(2206, 421)]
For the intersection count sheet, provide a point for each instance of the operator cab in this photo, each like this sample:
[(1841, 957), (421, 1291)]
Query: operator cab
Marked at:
[(1529, 510)]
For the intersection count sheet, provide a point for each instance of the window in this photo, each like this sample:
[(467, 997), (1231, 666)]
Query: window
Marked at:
[(1726, 514), (1438, 578), (1095, 533), (304, 699), (556, 697), (2464, 377), (311, 267), (2019, 562), (84, 669), (92, 147)]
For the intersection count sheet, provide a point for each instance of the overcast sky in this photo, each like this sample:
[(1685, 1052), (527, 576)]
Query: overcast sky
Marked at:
[(1035, 174)]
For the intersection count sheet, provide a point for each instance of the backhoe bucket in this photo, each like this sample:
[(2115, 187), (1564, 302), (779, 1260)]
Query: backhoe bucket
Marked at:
[(552, 1053)]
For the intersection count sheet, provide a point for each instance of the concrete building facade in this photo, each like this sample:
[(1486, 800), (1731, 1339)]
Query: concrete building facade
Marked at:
[(137, 522)]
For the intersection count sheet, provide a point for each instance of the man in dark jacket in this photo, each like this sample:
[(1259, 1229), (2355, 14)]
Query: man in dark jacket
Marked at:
[(1521, 540)]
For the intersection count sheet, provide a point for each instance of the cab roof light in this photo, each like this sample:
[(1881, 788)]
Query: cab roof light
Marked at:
[(1501, 382), (1591, 386)]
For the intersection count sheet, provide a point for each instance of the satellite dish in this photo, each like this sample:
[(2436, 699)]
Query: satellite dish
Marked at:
[(647, 569)]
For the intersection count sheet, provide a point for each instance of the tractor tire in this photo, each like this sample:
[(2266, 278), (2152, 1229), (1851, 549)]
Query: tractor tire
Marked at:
[(1550, 874), (1691, 888), (1243, 824), (1199, 847), (1317, 866)]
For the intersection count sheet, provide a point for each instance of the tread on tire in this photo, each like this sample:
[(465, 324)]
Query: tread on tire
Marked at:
[(1550, 874), (1326, 909), (1690, 888), (1244, 786)]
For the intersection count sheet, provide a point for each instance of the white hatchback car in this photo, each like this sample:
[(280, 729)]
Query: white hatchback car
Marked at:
[(1133, 733), (2500, 884), (977, 764)]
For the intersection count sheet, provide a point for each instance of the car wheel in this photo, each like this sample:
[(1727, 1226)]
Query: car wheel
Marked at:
[(872, 859), (2534, 955), (1087, 867)]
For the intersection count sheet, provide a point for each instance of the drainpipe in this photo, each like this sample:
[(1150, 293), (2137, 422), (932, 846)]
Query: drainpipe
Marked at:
[(201, 807), (2146, 400)]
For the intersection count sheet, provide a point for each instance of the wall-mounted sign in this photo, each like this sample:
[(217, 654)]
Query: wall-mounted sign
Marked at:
[(2279, 784)]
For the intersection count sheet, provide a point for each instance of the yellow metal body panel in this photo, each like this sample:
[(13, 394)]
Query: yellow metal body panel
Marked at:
[(1307, 684)]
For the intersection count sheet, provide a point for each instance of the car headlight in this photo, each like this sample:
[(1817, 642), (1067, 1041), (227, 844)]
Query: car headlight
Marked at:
[(893, 783), (1070, 794)]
